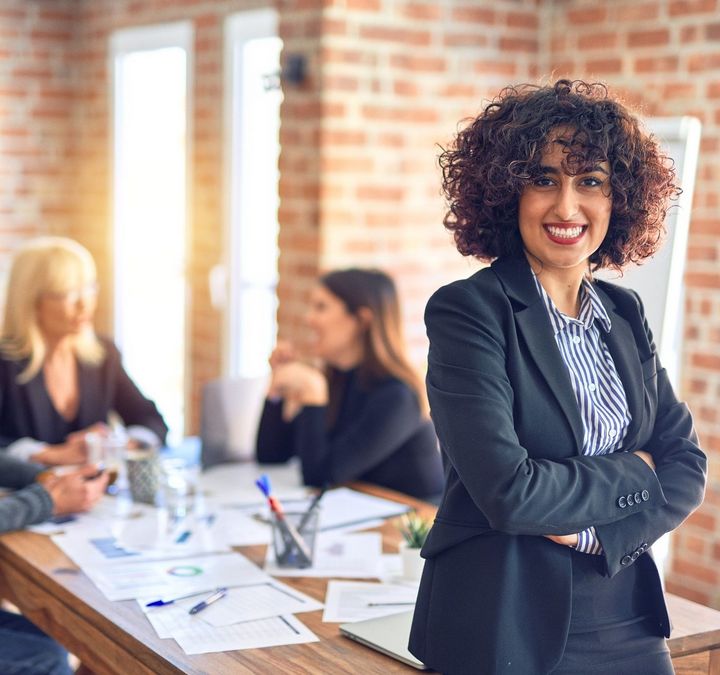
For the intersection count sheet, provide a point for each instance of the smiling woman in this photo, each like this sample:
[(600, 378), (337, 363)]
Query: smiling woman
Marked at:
[(567, 453)]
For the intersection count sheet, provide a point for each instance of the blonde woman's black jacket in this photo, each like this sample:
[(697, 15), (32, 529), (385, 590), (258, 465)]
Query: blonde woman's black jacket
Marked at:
[(26, 410), (495, 596)]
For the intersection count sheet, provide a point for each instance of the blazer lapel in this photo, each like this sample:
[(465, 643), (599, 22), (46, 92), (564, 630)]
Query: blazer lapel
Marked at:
[(536, 330), (90, 409), (623, 349), (39, 404)]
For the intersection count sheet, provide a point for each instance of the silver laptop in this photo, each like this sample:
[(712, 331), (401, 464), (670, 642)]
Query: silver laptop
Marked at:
[(386, 634)]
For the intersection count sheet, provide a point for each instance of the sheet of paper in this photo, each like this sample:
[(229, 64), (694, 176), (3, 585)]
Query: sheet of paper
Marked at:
[(201, 637), (107, 513), (347, 601), (241, 529), (234, 484), (260, 600), (168, 579), (356, 556), (343, 507)]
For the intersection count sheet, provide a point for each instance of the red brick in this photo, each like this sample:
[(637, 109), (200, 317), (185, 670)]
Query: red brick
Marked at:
[(695, 571), (508, 68), (681, 90), (416, 38), (649, 38), (380, 193), (344, 137), (684, 7), (598, 41), (688, 34), (465, 39), (431, 64), (364, 5), (474, 15), (522, 20), (405, 88), (514, 44), (603, 66), (423, 12), (702, 520), (636, 12), (587, 15), (656, 64), (684, 591)]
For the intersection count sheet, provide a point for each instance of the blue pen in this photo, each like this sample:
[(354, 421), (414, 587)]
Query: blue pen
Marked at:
[(162, 603), (184, 536), (219, 593)]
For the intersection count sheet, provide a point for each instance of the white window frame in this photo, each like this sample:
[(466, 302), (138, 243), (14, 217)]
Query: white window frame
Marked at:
[(122, 42), (239, 29)]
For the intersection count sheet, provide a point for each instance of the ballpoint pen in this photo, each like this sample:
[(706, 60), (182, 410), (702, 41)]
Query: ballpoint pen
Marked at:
[(219, 593), (311, 509), (162, 603)]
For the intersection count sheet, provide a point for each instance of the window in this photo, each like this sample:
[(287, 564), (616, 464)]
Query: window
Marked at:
[(253, 100), (150, 68)]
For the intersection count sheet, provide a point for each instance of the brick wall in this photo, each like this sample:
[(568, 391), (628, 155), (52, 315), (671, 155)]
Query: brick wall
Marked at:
[(388, 80), (396, 78), (36, 94), (664, 57)]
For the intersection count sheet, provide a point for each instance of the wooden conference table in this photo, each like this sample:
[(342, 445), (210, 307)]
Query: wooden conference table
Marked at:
[(115, 637)]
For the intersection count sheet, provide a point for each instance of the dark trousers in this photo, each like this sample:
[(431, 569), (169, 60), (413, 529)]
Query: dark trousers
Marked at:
[(26, 650)]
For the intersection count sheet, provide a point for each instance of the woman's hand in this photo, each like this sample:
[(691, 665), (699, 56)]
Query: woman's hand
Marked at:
[(645, 457), (76, 491), (299, 385), (564, 539), (283, 354), (70, 452), (99, 428)]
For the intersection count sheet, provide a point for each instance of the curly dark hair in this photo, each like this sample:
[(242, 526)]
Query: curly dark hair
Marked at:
[(500, 151)]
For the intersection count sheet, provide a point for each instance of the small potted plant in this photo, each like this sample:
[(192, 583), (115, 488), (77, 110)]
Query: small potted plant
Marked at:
[(414, 530)]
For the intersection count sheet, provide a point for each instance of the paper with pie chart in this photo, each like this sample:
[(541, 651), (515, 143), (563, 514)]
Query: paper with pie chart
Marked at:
[(166, 579)]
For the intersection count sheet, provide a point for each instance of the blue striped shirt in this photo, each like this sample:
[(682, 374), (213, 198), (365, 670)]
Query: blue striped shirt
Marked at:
[(598, 390)]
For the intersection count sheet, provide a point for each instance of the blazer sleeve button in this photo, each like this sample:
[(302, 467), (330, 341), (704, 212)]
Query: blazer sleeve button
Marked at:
[(638, 497), (645, 495), (635, 556), (622, 502), (625, 560), (630, 500)]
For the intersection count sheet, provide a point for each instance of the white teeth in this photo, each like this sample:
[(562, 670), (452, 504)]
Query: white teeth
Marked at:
[(564, 232)]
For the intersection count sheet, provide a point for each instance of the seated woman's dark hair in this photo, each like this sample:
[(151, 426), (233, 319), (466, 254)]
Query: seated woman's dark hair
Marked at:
[(384, 351), (500, 152)]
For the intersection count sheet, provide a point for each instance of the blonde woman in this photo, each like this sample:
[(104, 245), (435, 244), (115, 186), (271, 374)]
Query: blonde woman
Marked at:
[(58, 379)]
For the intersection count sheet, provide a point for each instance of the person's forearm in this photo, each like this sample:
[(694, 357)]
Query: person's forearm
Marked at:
[(25, 507)]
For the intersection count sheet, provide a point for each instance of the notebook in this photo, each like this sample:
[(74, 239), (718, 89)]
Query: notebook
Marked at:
[(386, 634)]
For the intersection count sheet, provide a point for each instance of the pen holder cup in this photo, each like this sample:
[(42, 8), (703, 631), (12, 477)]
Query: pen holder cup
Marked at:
[(291, 551), (143, 475)]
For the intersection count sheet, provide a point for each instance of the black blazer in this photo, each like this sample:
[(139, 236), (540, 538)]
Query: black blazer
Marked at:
[(379, 437), (495, 595), (26, 410)]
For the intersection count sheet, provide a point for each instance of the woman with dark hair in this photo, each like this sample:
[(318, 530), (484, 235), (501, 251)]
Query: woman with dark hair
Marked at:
[(568, 453), (363, 415)]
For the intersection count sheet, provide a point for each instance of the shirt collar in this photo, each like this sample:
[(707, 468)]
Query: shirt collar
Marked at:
[(591, 308)]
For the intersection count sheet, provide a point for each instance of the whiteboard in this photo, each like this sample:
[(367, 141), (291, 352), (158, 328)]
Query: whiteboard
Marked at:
[(659, 281)]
